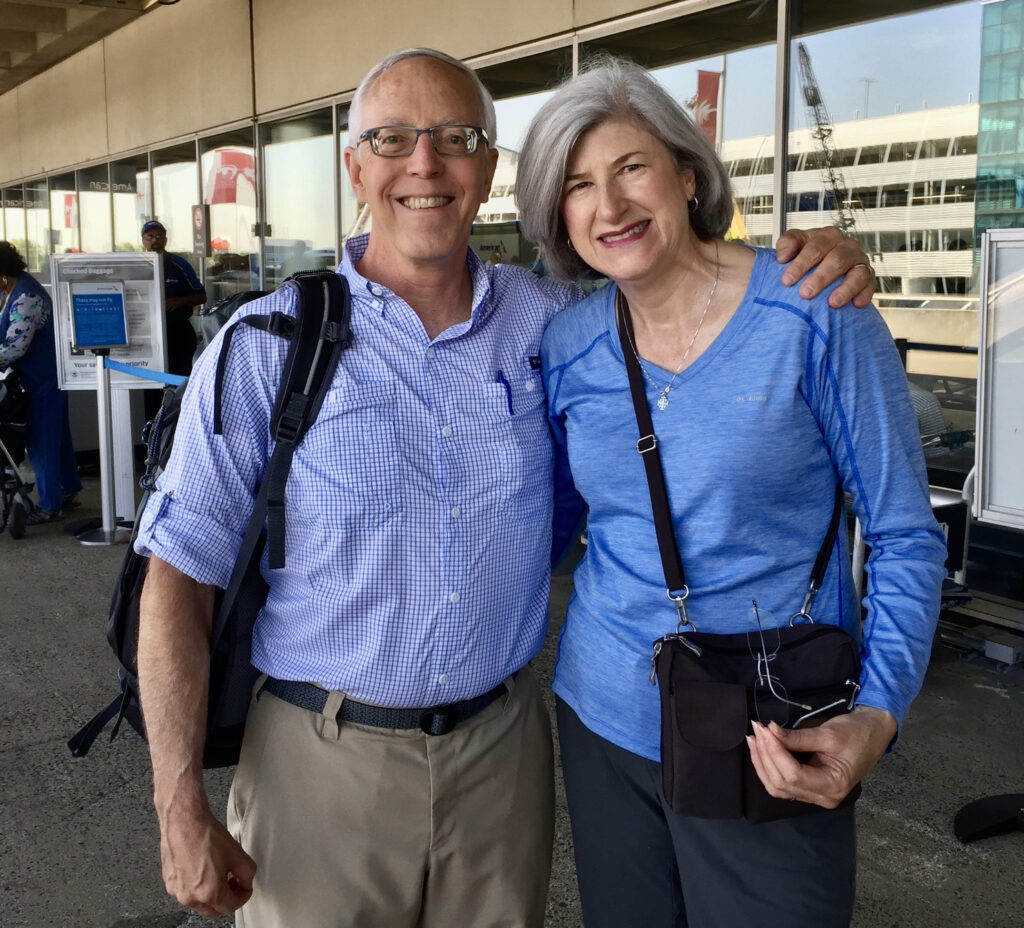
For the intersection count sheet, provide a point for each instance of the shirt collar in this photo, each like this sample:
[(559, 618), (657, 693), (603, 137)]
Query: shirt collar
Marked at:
[(378, 295)]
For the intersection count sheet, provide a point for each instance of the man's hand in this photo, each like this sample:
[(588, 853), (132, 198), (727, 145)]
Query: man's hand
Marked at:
[(832, 255), (204, 868), (843, 750)]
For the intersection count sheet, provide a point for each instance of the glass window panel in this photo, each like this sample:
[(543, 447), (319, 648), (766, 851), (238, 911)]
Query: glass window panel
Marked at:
[(519, 87), (175, 192), (720, 65), (37, 225), (94, 209), (228, 164), (872, 154), (921, 72), (130, 191), (13, 204), (63, 215), (298, 164)]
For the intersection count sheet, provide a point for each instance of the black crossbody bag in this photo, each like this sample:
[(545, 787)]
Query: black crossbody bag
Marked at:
[(713, 686)]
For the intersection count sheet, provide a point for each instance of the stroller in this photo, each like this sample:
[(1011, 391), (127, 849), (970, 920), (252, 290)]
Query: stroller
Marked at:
[(16, 504)]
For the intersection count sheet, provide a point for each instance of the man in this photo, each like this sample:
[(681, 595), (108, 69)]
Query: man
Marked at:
[(182, 292), (415, 591)]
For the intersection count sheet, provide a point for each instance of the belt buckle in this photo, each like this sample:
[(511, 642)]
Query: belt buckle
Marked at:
[(439, 721)]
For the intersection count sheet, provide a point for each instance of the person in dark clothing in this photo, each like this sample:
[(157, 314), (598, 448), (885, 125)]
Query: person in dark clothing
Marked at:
[(27, 345), (182, 292)]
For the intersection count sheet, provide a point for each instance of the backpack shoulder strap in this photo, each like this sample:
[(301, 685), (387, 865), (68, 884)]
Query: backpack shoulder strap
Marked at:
[(322, 331)]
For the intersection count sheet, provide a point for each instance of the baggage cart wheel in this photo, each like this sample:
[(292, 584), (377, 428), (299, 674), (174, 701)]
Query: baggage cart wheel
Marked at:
[(18, 519)]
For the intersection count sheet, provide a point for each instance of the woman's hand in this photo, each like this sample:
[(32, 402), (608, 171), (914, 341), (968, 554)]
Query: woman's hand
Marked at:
[(831, 255), (843, 750)]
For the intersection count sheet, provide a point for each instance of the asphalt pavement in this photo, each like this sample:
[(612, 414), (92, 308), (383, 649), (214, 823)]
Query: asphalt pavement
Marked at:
[(78, 838)]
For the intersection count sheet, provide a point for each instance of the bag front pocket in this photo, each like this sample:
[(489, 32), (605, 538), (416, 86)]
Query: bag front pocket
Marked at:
[(703, 748)]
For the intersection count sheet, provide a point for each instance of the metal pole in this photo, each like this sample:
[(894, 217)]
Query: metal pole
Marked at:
[(110, 533)]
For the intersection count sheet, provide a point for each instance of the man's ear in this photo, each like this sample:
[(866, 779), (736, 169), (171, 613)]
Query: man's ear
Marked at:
[(489, 169), (355, 171)]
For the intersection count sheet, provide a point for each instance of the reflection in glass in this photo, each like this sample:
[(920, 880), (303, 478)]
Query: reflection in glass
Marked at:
[(12, 203), (94, 209), (63, 215), (355, 216), (298, 161), (720, 66), (174, 194), (229, 192), (129, 182), (519, 87), (885, 91), (37, 225)]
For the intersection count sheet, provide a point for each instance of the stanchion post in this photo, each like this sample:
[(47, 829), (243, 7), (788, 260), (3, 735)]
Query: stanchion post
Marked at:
[(110, 533)]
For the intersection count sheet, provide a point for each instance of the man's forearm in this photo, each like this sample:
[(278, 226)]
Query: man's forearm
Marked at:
[(174, 657)]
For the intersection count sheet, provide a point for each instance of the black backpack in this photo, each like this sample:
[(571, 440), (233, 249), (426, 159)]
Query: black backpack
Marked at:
[(318, 334), (214, 317)]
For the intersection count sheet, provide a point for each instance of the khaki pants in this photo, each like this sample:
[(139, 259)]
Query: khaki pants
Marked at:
[(353, 826)]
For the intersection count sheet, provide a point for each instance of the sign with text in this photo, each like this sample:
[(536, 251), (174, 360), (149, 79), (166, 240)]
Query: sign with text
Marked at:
[(85, 291), (98, 319)]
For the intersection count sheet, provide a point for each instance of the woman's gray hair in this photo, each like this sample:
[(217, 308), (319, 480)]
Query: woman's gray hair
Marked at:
[(355, 109), (608, 88)]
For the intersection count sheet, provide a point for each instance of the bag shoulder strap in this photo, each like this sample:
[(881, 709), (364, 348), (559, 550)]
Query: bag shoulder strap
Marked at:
[(320, 332), (647, 447)]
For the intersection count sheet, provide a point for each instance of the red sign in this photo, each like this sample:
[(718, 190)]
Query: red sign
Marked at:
[(705, 110), (230, 168)]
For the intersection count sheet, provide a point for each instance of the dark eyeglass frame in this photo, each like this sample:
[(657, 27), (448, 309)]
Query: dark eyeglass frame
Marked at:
[(474, 136)]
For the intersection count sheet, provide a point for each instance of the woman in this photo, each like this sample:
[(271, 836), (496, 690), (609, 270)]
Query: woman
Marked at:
[(27, 345), (760, 400)]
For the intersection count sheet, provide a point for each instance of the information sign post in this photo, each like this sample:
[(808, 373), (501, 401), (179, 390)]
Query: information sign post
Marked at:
[(94, 294), (98, 324)]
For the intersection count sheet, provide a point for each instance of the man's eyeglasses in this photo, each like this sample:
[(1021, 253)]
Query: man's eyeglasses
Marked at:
[(400, 141)]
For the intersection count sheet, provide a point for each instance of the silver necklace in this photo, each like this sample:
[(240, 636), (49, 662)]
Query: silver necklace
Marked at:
[(663, 391)]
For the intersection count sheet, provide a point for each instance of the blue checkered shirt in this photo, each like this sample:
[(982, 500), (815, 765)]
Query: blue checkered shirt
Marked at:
[(418, 507)]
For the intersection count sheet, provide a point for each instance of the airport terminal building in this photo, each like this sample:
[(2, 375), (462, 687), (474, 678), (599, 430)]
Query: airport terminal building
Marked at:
[(902, 121)]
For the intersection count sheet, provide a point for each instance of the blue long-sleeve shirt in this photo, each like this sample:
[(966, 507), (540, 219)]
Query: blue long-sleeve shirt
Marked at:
[(790, 394)]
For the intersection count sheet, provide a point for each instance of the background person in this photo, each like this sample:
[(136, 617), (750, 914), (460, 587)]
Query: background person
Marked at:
[(418, 538), (182, 293), (760, 401), (27, 345)]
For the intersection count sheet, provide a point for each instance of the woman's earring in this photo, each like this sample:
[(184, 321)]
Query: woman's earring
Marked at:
[(571, 246), (694, 204), (5, 282)]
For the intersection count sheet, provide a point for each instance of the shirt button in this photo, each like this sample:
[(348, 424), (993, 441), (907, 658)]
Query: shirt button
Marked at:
[(431, 352), (529, 385), (447, 431), (456, 512), (377, 304), (455, 597), (443, 678), (376, 291)]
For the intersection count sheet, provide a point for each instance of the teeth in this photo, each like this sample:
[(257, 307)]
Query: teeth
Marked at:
[(633, 230), (425, 202)]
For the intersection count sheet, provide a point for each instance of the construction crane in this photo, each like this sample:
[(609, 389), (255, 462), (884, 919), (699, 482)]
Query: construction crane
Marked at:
[(821, 132)]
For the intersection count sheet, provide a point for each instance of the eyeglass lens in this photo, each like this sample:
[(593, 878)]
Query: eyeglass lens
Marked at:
[(397, 141)]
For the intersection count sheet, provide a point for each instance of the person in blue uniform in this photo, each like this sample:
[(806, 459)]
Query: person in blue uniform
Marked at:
[(182, 292), (27, 345)]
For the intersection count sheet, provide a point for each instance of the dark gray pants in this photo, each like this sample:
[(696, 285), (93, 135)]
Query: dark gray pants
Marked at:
[(640, 865)]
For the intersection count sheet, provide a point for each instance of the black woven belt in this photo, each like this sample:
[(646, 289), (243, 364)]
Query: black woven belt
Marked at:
[(438, 720)]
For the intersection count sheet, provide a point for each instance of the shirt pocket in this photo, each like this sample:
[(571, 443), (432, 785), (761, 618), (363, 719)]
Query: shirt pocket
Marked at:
[(524, 451), (351, 471)]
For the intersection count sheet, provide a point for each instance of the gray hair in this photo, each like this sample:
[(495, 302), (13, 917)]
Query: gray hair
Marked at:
[(608, 88), (355, 110)]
